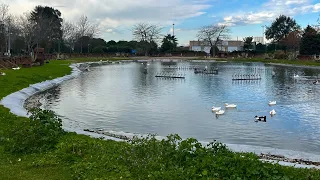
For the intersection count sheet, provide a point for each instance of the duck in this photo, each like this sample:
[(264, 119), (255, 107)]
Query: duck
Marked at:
[(271, 103), (230, 105), (273, 112), (216, 109), (296, 76), (315, 82), (2, 73), (16, 68), (261, 118), (220, 112)]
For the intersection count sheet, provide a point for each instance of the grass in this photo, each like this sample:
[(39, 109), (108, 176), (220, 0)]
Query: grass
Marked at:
[(81, 157)]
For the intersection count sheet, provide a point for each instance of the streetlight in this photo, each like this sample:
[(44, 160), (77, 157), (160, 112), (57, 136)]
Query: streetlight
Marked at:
[(173, 30)]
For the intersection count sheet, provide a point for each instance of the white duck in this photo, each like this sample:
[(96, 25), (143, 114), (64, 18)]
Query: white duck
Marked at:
[(230, 105), (2, 73), (17, 68), (220, 112), (271, 103), (296, 76), (273, 112), (216, 109)]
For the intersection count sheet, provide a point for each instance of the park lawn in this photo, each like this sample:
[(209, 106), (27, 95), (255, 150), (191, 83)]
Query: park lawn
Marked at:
[(82, 157)]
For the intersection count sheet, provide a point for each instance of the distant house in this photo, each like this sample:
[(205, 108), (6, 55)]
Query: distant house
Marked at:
[(225, 46), (258, 40)]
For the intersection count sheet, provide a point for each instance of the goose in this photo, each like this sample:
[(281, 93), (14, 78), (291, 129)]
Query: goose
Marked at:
[(230, 105), (271, 103), (17, 68), (216, 109), (273, 112), (220, 112)]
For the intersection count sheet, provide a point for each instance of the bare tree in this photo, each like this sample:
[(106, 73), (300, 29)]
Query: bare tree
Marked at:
[(4, 12), (85, 28), (147, 34), (213, 34), (69, 34)]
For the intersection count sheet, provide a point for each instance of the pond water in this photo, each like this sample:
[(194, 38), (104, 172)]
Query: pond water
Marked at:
[(122, 98)]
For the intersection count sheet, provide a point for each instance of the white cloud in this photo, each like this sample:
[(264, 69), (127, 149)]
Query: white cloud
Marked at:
[(119, 15), (270, 10)]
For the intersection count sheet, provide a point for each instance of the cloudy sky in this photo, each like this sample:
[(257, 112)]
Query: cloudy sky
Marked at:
[(116, 17)]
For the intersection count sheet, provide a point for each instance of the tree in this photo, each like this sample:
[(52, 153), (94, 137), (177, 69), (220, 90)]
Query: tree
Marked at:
[(4, 13), (310, 42), (47, 25), (69, 34), (111, 43), (212, 35), (281, 27), (292, 41), (261, 48), (247, 43), (147, 35), (85, 28), (169, 43)]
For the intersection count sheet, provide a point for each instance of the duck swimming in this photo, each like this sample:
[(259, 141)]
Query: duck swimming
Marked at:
[(271, 103), (216, 109), (230, 105), (261, 118), (220, 112), (273, 112)]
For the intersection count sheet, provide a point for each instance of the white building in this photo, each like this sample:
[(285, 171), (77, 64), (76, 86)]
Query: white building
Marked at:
[(225, 46), (258, 40)]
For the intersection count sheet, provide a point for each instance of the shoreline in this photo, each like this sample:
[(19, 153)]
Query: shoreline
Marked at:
[(15, 102)]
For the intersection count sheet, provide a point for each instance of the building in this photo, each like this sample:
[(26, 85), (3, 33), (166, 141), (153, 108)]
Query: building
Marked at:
[(258, 40), (225, 46)]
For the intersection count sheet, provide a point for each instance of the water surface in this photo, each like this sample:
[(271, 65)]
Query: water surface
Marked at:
[(120, 97)]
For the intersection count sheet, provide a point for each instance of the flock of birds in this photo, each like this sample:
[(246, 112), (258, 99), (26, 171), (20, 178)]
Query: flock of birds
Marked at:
[(218, 111)]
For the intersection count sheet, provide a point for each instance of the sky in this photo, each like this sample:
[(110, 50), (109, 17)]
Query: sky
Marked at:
[(115, 18)]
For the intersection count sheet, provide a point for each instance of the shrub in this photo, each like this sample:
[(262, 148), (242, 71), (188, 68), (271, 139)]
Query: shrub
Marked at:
[(280, 55), (39, 133)]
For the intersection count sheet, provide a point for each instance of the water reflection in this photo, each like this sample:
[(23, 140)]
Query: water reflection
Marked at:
[(122, 97)]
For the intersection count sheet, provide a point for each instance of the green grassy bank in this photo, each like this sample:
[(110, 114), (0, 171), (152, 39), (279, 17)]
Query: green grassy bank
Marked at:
[(81, 157)]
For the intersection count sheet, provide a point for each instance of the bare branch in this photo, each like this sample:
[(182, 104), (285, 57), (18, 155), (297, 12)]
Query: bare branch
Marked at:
[(146, 32), (213, 34)]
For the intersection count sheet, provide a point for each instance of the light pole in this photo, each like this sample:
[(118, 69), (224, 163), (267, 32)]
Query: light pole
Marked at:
[(9, 42), (173, 30), (262, 34)]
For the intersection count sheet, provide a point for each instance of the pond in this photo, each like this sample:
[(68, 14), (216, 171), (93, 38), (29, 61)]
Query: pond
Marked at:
[(123, 98)]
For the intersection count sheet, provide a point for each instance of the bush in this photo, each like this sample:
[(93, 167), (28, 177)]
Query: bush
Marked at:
[(38, 134), (280, 55)]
